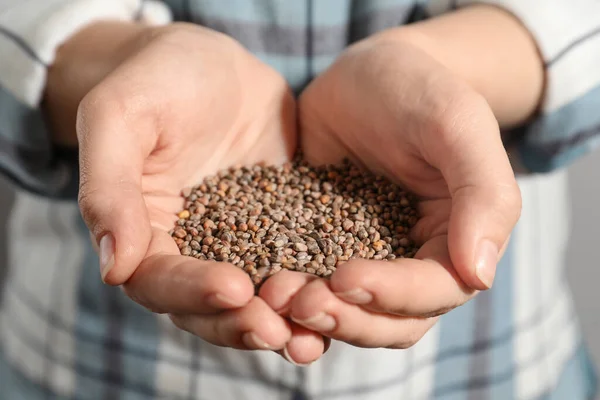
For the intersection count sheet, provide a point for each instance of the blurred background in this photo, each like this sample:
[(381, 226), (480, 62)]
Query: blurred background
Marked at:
[(584, 265)]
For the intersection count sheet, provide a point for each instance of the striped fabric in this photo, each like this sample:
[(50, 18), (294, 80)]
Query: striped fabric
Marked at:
[(65, 335)]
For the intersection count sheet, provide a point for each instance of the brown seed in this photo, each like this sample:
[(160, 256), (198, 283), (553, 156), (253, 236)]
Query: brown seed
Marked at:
[(184, 214), (209, 224), (227, 237), (180, 233), (300, 247), (378, 245), (330, 260), (289, 224), (313, 247), (384, 231), (347, 224), (264, 262), (296, 217)]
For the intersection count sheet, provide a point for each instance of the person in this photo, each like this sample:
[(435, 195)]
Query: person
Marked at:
[(474, 106)]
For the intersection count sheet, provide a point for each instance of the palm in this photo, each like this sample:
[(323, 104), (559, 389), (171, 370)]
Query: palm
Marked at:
[(396, 111), (204, 108), (183, 165), (353, 120)]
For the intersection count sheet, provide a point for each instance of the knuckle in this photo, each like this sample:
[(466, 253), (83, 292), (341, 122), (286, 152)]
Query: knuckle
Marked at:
[(114, 103), (86, 201), (97, 204), (514, 201), (461, 110), (134, 294), (101, 102), (509, 202)]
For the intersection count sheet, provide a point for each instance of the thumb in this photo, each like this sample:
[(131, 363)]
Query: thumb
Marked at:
[(486, 200), (110, 194)]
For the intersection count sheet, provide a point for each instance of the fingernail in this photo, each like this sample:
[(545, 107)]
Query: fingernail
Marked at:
[(321, 322), (287, 356), (107, 254), (252, 341), (485, 263), (219, 300), (356, 296)]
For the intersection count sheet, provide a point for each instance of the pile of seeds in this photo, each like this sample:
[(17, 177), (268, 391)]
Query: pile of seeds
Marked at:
[(267, 218)]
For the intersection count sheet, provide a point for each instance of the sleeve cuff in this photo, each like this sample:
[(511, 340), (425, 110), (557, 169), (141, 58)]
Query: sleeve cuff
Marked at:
[(29, 40), (568, 38), (566, 33)]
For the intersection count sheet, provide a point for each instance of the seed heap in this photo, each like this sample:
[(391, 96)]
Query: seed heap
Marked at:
[(311, 219)]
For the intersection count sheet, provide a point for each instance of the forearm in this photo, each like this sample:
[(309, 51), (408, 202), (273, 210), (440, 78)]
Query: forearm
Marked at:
[(491, 50), (80, 64)]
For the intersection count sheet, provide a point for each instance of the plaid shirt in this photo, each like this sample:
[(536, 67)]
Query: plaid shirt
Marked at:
[(63, 334)]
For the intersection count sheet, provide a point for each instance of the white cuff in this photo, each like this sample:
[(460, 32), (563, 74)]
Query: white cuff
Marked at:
[(32, 30), (567, 35)]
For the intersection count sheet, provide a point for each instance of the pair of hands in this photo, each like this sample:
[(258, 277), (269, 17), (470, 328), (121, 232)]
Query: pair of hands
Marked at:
[(186, 102)]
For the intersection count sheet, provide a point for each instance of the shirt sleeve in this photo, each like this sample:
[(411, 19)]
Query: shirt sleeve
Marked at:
[(30, 33), (568, 37)]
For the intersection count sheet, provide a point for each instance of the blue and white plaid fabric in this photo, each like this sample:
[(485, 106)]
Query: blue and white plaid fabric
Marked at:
[(65, 335)]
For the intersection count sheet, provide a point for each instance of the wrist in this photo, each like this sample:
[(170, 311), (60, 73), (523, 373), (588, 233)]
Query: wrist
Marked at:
[(489, 49), (80, 64)]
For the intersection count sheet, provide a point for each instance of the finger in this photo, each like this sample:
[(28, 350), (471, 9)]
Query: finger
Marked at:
[(253, 327), (433, 221), (279, 289), (111, 155), (169, 283), (425, 286), (316, 307), (305, 346), (486, 201)]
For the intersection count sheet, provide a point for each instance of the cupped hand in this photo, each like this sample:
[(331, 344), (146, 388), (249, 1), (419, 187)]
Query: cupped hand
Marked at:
[(393, 109), (185, 103)]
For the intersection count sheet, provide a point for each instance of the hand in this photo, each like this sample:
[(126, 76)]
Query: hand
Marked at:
[(184, 103), (394, 110)]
